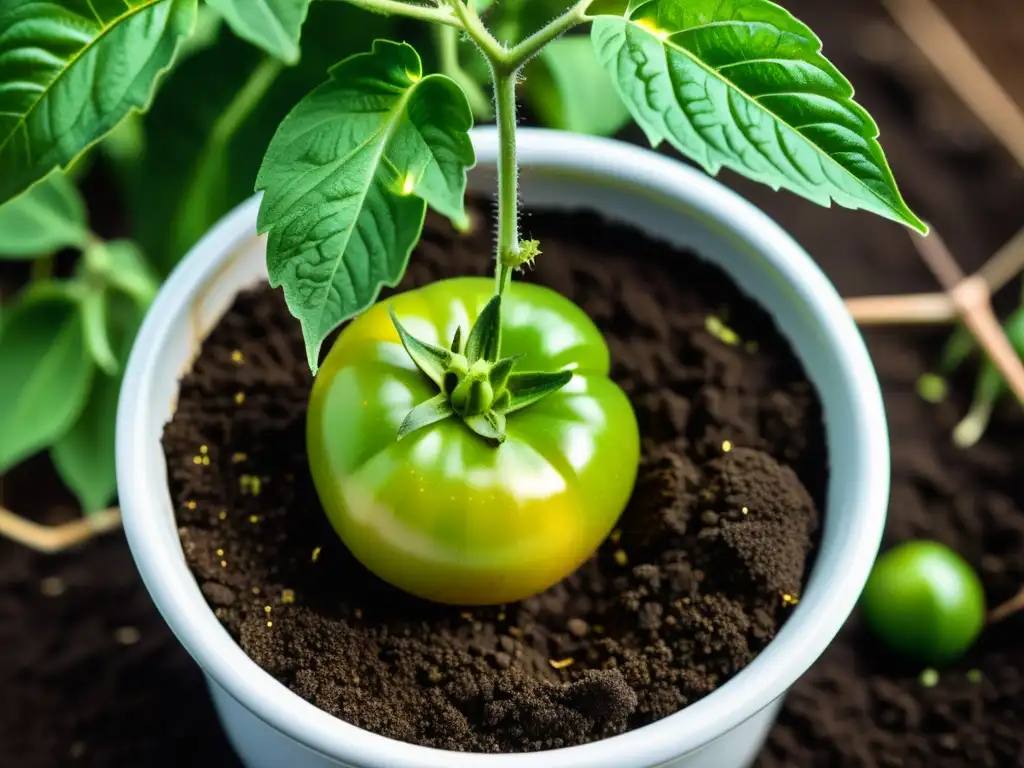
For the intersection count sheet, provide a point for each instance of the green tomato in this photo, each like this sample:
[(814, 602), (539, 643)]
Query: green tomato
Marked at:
[(442, 513), (924, 601)]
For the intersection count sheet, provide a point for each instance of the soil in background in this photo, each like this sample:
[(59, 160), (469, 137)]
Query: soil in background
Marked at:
[(90, 675), (706, 565)]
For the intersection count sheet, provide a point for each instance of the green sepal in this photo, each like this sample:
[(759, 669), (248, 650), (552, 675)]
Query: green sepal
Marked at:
[(426, 413), (457, 341), (527, 388), (484, 341), (432, 360), (498, 375), (490, 425)]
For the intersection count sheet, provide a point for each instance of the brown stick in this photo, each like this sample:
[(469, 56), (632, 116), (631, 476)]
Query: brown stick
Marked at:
[(1005, 264), (1003, 611), (954, 59), (906, 309), (57, 538), (973, 303)]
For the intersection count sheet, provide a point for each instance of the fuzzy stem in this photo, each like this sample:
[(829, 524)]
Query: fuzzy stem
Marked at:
[(531, 46), (411, 10), (508, 179)]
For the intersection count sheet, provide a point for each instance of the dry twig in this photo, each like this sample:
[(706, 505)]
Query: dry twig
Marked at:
[(57, 538)]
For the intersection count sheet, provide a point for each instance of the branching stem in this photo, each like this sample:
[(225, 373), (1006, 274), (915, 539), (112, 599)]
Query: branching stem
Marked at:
[(508, 179)]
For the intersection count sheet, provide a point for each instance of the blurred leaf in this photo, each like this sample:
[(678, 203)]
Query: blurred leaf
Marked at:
[(989, 387), (122, 265), (46, 377), (567, 88), (191, 102), (94, 325), (960, 345), (84, 456), (71, 70), (207, 189), (49, 216), (272, 25)]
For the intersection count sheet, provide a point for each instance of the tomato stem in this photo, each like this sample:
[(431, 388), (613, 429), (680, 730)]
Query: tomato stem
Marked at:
[(508, 177)]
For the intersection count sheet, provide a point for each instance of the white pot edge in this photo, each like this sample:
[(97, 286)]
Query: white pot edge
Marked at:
[(815, 622)]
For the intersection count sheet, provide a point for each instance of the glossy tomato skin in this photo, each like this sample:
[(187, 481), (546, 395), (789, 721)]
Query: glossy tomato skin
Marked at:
[(441, 513)]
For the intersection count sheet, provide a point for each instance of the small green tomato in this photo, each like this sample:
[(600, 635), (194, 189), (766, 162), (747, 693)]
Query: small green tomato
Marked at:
[(924, 601)]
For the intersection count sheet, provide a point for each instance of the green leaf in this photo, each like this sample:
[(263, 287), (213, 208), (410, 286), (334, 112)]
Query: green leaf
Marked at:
[(94, 324), (182, 122), (46, 377), (84, 455), (49, 216), (568, 89), (742, 84), (346, 177), (432, 360), (527, 388), (122, 265), (489, 425), (484, 342), (426, 413), (71, 70), (273, 25)]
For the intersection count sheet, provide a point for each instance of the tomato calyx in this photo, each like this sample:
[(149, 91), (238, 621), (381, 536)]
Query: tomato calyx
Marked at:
[(475, 382)]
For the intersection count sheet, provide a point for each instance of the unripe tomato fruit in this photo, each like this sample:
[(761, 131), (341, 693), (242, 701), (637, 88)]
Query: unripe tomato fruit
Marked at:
[(924, 601), (442, 513)]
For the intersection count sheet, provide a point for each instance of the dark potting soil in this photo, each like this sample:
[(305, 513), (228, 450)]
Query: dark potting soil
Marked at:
[(707, 562)]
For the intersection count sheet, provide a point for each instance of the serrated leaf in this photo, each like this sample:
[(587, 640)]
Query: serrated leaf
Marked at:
[(46, 377), (182, 121), (742, 84), (568, 89), (346, 177), (50, 215), (84, 455), (273, 25), (71, 70)]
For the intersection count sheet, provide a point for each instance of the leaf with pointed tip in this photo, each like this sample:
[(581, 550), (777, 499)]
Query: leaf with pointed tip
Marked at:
[(71, 70), (430, 359), (527, 388), (457, 341), (484, 340), (489, 425), (498, 375), (743, 84), (346, 179), (50, 215), (426, 413), (273, 25)]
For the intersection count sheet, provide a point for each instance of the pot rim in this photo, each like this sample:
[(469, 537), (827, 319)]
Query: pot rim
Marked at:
[(828, 601)]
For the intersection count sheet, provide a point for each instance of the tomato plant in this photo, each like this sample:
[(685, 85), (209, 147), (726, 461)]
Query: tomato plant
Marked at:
[(924, 601), (485, 465), (440, 512)]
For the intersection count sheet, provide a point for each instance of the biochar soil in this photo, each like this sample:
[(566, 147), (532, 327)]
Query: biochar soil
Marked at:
[(706, 565)]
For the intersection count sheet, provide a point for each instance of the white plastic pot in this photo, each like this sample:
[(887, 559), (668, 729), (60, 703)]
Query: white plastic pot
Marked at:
[(270, 726)]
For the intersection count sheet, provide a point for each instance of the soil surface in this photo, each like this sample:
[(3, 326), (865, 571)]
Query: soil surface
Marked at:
[(707, 562), (90, 675)]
